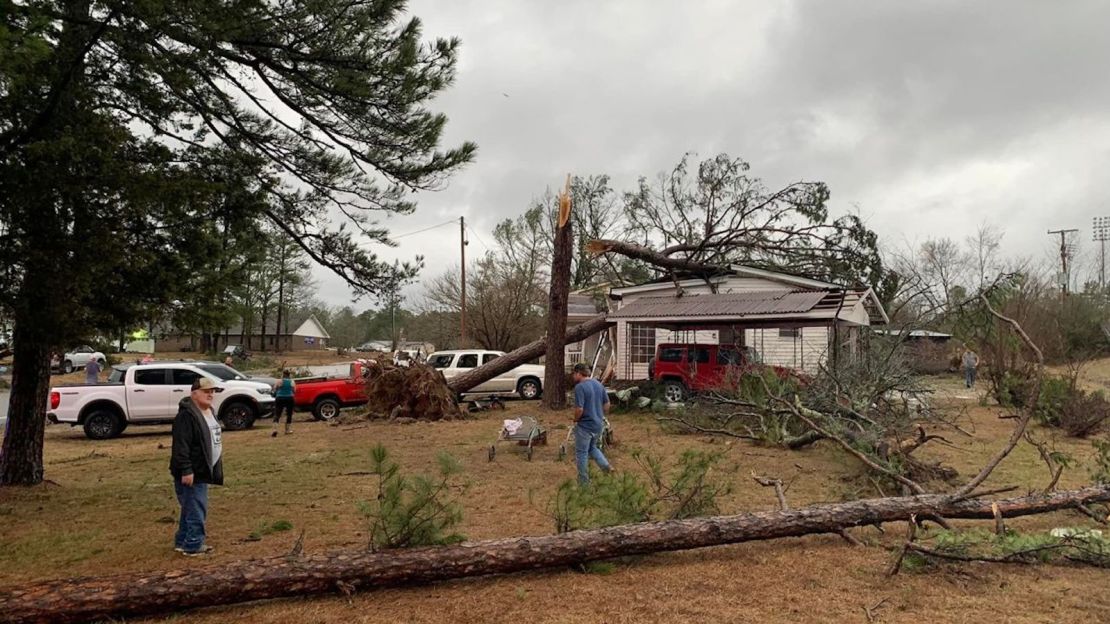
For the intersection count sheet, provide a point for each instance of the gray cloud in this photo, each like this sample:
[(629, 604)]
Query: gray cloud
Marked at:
[(930, 117)]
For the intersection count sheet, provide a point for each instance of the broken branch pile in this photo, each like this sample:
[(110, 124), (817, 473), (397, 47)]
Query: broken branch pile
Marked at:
[(83, 599)]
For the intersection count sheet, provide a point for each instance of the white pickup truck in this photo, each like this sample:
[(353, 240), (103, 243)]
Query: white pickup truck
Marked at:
[(148, 394), (525, 380)]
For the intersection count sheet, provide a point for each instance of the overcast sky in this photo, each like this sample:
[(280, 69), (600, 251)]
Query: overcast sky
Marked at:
[(929, 118)]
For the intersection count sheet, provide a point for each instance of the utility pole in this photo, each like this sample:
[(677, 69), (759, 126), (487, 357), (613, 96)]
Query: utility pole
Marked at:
[(1101, 233), (393, 310), (462, 300), (1065, 278)]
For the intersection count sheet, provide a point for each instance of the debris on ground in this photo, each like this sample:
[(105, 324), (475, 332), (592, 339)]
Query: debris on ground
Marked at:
[(417, 391)]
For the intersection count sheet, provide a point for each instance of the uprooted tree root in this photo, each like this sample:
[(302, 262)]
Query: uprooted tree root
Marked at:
[(417, 391)]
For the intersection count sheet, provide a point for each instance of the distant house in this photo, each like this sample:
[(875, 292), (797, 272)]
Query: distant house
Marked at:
[(309, 335), (788, 320), (928, 351)]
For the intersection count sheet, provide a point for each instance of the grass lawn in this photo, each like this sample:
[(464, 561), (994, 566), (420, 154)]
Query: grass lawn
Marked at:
[(109, 507)]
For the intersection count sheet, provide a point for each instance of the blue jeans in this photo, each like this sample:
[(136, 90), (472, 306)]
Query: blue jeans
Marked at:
[(194, 511), (969, 376), (585, 446)]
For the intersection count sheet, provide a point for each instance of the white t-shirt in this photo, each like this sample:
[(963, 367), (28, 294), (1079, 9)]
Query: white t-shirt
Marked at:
[(215, 434)]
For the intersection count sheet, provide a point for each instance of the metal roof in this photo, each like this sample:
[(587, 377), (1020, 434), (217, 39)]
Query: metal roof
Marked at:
[(717, 305)]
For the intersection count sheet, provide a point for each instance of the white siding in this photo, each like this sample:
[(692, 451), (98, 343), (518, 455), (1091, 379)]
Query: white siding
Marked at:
[(738, 284), (806, 352)]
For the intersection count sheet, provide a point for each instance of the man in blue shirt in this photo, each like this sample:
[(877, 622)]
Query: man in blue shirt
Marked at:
[(591, 402)]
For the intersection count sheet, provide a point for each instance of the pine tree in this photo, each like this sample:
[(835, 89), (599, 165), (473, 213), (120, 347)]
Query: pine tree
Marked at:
[(111, 112)]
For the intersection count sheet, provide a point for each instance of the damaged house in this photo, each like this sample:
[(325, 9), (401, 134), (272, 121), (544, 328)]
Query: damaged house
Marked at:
[(785, 320)]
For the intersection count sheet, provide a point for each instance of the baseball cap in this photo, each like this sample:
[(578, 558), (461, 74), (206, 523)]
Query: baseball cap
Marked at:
[(204, 383)]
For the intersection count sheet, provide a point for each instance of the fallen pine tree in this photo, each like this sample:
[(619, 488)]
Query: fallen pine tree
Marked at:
[(84, 599), (523, 355)]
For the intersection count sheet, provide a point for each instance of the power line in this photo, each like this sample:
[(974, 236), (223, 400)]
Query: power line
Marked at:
[(479, 237), (423, 230)]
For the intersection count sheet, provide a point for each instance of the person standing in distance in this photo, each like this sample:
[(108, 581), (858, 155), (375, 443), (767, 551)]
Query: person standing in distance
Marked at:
[(970, 363), (92, 372), (283, 400), (195, 462), (591, 403)]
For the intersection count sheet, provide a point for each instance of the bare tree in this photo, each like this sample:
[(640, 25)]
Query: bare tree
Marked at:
[(984, 248), (597, 215), (504, 305), (945, 265), (719, 214)]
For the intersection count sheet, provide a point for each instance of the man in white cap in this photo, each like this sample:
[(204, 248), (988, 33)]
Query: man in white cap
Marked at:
[(195, 462)]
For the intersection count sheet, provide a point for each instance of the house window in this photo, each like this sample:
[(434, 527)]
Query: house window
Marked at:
[(643, 344), (790, 333)]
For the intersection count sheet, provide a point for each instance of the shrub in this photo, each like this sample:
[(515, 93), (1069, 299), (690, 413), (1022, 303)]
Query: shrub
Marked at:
[(1101, 472), (1084, 413), (692, 489), (1011, 388), (1055, 392), (1064, 405), (412, 511)]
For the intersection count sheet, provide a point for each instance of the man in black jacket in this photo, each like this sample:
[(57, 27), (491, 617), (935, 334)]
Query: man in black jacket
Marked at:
[(195, 462)]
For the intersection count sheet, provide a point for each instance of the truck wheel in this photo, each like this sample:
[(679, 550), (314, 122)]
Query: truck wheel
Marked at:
[(528, 389), (325, 409), (674, 391), (238, 416), (67, 367), (102, 424)]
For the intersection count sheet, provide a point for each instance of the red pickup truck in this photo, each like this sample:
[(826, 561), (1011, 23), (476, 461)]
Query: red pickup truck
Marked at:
[(686, 368), (325, 396)]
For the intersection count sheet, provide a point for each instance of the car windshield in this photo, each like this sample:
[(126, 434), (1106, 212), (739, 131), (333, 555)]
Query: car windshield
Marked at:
[(443, 360), (225, 373)]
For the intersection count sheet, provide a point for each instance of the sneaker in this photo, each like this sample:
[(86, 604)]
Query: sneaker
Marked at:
[(204, 550), (179, 549)]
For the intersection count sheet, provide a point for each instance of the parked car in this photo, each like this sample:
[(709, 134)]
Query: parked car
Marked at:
[(237, 351), (228, 373), (526, 380), (325, 396), (148, 394), (79, 357), (685, 368)]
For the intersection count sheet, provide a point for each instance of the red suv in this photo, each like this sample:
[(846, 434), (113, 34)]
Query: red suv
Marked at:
[(685, 368)]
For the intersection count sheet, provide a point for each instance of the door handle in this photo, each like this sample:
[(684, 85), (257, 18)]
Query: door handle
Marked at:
[(139, 390), (179, 391)]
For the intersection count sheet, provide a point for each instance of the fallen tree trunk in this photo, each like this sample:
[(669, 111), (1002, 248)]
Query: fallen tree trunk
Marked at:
[(79, 600), (523, 355)]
